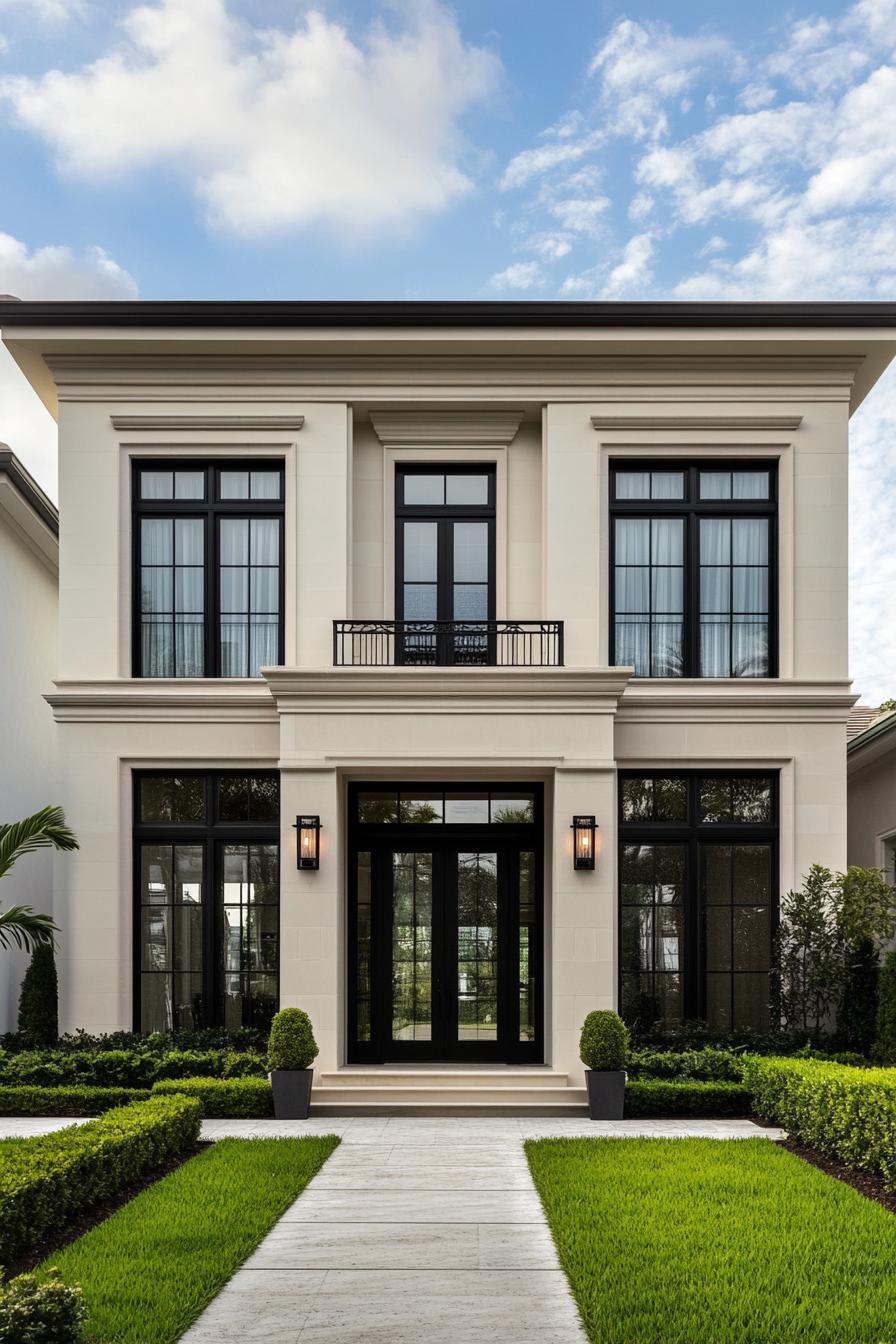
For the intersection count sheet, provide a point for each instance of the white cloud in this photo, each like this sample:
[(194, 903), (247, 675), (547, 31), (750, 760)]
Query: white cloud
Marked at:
[(46, 273), (275, 128), (521, 275), (631, 276), (754, 96), (531, 163), (579, 214), (47, 11)]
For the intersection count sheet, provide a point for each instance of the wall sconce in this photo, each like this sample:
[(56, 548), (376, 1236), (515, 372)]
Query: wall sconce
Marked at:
[(308, 849), (583, 829)]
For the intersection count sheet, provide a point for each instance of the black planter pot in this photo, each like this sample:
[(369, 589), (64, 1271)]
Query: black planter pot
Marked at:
[(292, 1093), (606, 1093)]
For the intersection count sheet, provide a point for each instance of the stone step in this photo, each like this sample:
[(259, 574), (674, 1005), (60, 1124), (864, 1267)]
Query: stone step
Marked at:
[(417, 1093), (550, 1105), (443, 1078)]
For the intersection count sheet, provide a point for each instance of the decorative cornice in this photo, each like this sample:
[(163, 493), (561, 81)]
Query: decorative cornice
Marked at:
[(162, 700), (211, 422), (487, 690), (439, 429), (688, 420), (752, 700)]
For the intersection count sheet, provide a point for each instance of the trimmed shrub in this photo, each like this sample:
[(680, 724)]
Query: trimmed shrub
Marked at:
[(707, 1065), (603, 1044), (155, 1042), (847, 1113), (857, 1014), (661, 1097), (223, 1098), (291, 1044), (885, 1037), (67, 1100), (124, 1068), (39, 999), (41, 1311), (48, 1180)]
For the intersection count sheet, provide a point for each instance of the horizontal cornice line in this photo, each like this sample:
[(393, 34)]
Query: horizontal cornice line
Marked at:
[(208, 422), (688, 420)]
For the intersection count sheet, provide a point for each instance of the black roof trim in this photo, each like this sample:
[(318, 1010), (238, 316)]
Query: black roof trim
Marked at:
[(28, 488), (342, 313)]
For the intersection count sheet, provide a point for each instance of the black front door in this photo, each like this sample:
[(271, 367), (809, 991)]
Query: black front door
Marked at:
[(445, 564), (445, 944)]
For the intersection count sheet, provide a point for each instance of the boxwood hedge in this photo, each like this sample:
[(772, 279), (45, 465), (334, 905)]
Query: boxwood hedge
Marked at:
[(67, 1100), (223, 1098), (123, 1068), (847, 1113), (672, 1097), (46, 1181)]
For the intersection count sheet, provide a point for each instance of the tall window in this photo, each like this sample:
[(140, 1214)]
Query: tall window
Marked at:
[(208, 569), (694, 569), (206, 860), (697, 896)]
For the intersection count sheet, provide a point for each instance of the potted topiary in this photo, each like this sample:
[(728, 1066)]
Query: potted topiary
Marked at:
[(603, 1049), (291, 1051)]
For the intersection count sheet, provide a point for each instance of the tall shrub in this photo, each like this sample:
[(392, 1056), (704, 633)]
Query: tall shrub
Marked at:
[(857, 1016), (885, 1042), (39, 999)]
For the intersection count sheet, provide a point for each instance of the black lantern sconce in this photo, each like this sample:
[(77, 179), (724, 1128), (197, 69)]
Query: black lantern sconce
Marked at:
[(308, 849), (583, 829)]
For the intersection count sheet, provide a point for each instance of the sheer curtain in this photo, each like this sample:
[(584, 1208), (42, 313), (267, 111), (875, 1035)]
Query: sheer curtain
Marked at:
[(264, 557), (156, 599), (749, 636), (715, 602)]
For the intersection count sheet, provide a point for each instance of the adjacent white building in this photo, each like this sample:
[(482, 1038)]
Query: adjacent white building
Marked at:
[(445, 577), (29, 575)]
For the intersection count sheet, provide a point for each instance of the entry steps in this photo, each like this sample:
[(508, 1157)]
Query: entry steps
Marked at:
[(413, 1090)]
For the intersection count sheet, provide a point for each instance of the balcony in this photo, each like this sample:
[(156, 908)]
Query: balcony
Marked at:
[(447, 643)]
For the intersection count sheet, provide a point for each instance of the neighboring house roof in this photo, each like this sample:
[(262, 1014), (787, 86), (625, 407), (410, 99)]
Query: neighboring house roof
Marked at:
[(870, 743), (860, 718), (452, 313), (25, 506)]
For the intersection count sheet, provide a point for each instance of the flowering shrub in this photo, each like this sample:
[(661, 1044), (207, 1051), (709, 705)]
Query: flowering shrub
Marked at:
[(40, 1311)]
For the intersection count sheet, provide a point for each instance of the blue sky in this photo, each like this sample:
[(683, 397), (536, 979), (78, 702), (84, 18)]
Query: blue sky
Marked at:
[(494, 148)]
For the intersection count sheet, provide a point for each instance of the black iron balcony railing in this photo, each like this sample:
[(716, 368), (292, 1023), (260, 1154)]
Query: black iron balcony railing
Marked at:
[(448, 643)]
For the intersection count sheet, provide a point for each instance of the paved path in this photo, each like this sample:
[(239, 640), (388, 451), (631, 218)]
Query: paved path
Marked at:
[(416, 1231)]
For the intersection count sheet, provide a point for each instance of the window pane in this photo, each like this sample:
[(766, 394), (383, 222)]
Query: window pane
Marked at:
[(234, 589), (632, 484), (189, 485), (714, 592), (715, 647), (188, 541), (670, 799), (156, 874), (421, 809), (233, 798), (378, 807), (749, 543), (632, 541), (265, 541), (715, 870), (420, 552), (156, 1007), (632, 589), (718, 938), (667, 590), (667, 541), (471, 602), (632, 640), (715, 799), (637, 800), (751, 1002), (715, 541), (715, 485), (470, 552), (751, 799), (750, 590), (667, 485), (156, 541), (156, 589), (464, 489), (666, 656), (265, 484), (718, 1000), (156, 484), (752, 949), (749, 647), (751, 485), (636, 938), (264, 798), (420, 601), (752, 874), (518, 809), (424, 489), (265, 590), (234, 484), (472, 808), (188, 871), (234, 541)]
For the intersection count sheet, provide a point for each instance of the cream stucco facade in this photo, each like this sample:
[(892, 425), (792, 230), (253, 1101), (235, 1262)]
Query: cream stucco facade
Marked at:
[(549, 405)]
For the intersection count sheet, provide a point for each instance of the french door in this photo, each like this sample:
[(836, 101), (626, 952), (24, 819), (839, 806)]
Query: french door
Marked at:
[(445, 946), (445, 565)]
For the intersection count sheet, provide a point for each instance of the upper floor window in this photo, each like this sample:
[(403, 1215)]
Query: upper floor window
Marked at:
[(208, 568), (693, 560)]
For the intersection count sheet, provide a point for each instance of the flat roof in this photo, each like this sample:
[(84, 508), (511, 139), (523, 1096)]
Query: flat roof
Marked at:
[(285, 313)]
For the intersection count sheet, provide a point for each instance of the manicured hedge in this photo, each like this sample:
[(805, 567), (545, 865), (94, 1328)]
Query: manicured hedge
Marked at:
[(67, 1100), (660, 1097), (46, 1181), (847, 1113), (223, 1098), (709, 1065), (123, 1068)]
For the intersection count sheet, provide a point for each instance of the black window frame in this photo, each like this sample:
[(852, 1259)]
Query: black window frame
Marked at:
[(210, 509), (691, 508), (211, 834), (691, 833)]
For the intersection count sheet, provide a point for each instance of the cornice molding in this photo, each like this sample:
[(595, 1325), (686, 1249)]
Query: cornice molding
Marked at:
[(747, 701), (508, 379), (169, 701), (488, 690), (210, 422), (687, 420), (438, 429)]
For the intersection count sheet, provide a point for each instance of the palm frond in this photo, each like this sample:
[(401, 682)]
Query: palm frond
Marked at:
[(45, 829), (25, 927)]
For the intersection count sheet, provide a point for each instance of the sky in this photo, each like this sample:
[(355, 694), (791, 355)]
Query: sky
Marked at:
[(408, 149)]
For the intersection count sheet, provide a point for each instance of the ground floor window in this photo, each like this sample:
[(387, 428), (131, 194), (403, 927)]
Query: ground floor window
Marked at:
[(207, 899), (697, 897)]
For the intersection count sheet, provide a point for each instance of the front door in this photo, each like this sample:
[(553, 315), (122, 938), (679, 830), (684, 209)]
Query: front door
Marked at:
[(445, 932), (445, 565)]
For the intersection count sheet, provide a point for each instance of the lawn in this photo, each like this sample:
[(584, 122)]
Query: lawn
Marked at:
[(698, 1241), (150, 1269)]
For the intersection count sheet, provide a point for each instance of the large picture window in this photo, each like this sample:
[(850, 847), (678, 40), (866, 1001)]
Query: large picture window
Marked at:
[(697, 898), (693, 558), (208, 569), (207, 899)]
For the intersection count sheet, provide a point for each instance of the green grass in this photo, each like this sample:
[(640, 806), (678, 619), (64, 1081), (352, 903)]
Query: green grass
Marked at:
[(150, 1269), (698, 1241)]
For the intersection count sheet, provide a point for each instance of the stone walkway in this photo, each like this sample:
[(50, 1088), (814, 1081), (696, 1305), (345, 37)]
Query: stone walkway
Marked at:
[(416, 1231)]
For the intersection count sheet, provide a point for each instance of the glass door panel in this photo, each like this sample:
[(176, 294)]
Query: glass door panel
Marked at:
[(477, 946), (528, 935), (412, 947), (419, 589)]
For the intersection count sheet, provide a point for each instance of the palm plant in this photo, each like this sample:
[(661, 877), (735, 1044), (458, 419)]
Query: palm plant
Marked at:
[(47, 829)]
